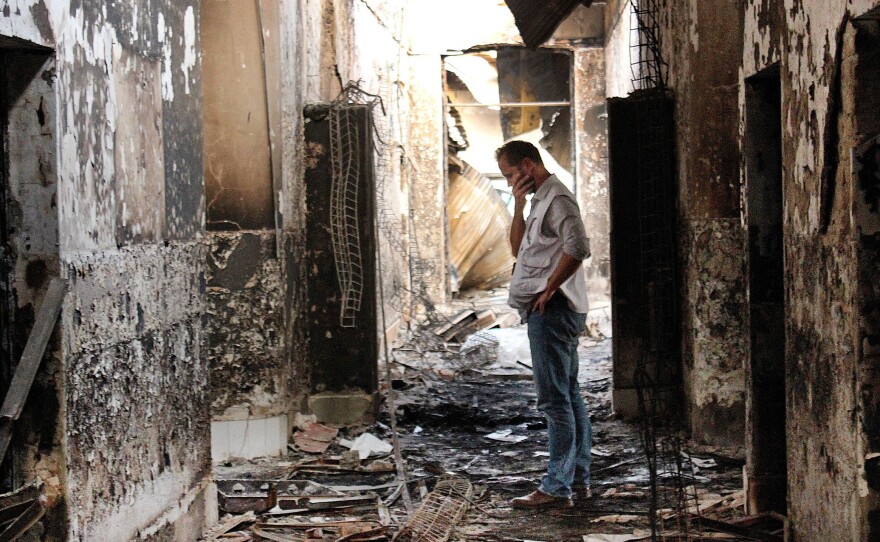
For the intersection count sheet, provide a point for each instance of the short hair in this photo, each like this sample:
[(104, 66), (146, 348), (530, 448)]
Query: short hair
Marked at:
[(516, 151)]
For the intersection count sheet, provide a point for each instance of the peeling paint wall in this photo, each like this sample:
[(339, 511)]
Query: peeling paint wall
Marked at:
[(246, 333), (134, 384), (831, 300), (701, 41), (245, 325)]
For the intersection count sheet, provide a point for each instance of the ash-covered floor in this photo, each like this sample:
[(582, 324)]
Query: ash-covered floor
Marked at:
[(473, 417)]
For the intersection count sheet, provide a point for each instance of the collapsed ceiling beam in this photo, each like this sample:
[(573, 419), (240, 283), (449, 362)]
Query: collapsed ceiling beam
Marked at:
[(537, 20)]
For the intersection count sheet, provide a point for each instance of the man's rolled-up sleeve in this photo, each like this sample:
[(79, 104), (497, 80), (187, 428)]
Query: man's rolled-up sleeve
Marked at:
[(564, 220)]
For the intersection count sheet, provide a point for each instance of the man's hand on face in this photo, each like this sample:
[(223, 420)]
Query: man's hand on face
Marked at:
[(523, 185)]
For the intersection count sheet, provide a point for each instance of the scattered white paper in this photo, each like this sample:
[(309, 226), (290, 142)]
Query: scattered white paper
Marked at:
[(541, 454), (638, 534), (600, 452), (367, 444), (703, 463), (505, 435)]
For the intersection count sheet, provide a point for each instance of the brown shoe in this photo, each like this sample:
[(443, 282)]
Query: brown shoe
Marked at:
[(581, 493), (536, 500)]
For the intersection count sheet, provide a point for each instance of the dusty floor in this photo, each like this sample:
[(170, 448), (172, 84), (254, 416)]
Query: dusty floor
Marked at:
[(447, 405)]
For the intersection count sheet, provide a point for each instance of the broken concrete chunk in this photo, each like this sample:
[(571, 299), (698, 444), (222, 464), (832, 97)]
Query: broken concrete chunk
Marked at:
[(368, 444)]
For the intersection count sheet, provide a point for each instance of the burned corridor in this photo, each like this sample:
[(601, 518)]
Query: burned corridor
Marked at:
[(239, 236)]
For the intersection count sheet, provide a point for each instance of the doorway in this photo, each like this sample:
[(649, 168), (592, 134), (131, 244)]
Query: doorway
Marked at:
[(493, 96), (28, 242), (765, 373)]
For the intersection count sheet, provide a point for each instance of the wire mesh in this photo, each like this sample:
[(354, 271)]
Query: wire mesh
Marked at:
[(440, 511), (344, 225), (673, 502)]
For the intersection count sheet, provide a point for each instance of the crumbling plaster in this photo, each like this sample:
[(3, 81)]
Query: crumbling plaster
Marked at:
[(824, 268), (134, 385), (245, 325), (700, 41)]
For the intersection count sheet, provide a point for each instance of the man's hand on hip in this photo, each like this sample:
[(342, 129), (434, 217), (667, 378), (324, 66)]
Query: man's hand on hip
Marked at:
[(541, 301)]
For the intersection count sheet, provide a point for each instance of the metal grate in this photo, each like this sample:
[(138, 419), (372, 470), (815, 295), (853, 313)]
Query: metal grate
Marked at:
[(438, 514), (646, 59)]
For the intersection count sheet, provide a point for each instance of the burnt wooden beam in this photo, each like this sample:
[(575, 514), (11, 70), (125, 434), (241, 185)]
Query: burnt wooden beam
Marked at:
[(33, 353)]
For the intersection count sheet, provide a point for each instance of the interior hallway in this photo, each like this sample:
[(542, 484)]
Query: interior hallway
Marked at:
[(220, 216)]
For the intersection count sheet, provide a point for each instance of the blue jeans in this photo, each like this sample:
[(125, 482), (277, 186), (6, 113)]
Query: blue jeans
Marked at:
[(553, 339)]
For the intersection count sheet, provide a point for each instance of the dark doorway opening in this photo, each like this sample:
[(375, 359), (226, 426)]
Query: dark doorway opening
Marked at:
[(765, 372), (866, 214), (28, 243)]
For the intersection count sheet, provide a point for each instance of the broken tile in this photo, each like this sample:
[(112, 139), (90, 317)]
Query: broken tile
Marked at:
[(313, 437)]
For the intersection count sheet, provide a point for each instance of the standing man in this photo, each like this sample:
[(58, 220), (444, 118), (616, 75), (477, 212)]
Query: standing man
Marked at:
[(549, 290)]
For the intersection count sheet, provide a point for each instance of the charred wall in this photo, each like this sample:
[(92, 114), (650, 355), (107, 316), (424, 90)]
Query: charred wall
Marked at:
[(132, 381), (701, 42), (245, 324), (246, 287), (829, 54)]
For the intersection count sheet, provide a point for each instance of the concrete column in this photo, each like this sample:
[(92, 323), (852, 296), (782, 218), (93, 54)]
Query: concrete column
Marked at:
[(591, 155), (428, 181)]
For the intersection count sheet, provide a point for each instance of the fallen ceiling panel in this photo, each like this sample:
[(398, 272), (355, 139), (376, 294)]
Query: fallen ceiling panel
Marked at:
[(537, 21)]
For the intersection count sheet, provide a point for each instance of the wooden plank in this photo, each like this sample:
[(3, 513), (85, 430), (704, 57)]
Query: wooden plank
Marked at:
[(30, 360), (24, 522), (745, 532), (34, 350)]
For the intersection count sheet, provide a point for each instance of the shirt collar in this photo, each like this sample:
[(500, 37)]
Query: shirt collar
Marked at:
[(545, 188)]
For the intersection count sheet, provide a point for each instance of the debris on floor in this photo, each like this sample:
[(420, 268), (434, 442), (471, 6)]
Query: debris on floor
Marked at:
[(471, 439)]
